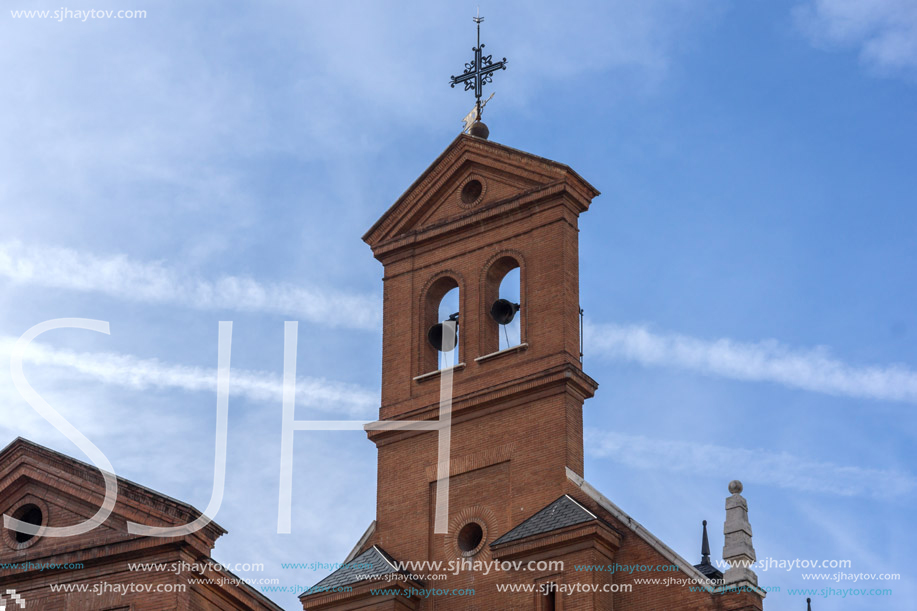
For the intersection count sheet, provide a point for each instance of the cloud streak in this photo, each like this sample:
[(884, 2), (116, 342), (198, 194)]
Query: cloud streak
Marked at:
[(776, 469), (768, 468), (128, 371), (884, 30), (155, 283), (767, 361)]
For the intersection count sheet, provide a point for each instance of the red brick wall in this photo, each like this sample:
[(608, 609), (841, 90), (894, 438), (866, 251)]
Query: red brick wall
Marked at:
[(517, 418)]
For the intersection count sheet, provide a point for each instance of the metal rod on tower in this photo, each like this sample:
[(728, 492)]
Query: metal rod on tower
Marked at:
[(581, 337)]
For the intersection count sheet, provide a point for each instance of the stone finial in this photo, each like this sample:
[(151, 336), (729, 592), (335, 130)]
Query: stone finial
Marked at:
[(809, 604), (738, 550)]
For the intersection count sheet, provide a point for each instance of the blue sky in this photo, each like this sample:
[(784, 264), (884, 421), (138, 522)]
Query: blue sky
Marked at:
[(747, 273)]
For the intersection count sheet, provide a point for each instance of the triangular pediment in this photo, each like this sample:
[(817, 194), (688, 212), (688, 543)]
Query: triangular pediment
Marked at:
[(62, 506), (68, 492), (471, 176)]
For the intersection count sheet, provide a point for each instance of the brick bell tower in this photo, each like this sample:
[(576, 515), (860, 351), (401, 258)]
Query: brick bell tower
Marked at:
[(478, 212), (516, 492), (482, 215)]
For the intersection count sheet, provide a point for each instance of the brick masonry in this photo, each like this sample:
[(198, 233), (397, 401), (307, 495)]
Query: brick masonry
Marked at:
[(67, 492), (517, 420)]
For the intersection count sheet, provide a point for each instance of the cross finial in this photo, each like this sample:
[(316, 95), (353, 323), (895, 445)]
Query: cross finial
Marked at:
[(479, 71)]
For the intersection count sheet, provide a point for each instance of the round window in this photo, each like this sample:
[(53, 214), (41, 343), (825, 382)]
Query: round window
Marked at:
[(470, 538), (472, 191), (30, 514)]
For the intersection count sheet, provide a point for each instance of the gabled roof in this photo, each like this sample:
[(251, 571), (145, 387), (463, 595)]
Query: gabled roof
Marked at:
[(526, 171), (561, 513), (370, 565), (128, 491)]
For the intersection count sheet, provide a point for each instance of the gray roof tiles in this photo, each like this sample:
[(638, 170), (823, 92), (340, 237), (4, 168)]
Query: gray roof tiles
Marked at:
[(709, 571), (561, 513), (370, 565)]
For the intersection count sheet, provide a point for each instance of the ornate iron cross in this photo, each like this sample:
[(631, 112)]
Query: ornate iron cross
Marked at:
[(479, 71)]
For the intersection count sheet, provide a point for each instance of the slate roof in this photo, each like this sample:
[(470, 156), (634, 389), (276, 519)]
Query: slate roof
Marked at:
[(371, 564), (561, 513), (709, 571)]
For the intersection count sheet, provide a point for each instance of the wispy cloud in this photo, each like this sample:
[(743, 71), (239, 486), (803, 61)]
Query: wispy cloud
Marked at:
[(128, 371), (766, 361), (884, 30), (761, 467), (156, 283)]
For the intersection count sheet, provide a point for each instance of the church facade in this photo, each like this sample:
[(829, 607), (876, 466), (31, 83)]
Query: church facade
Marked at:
[(517, 497)]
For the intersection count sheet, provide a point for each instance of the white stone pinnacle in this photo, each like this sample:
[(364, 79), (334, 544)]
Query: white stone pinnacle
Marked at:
[(738, 550)]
